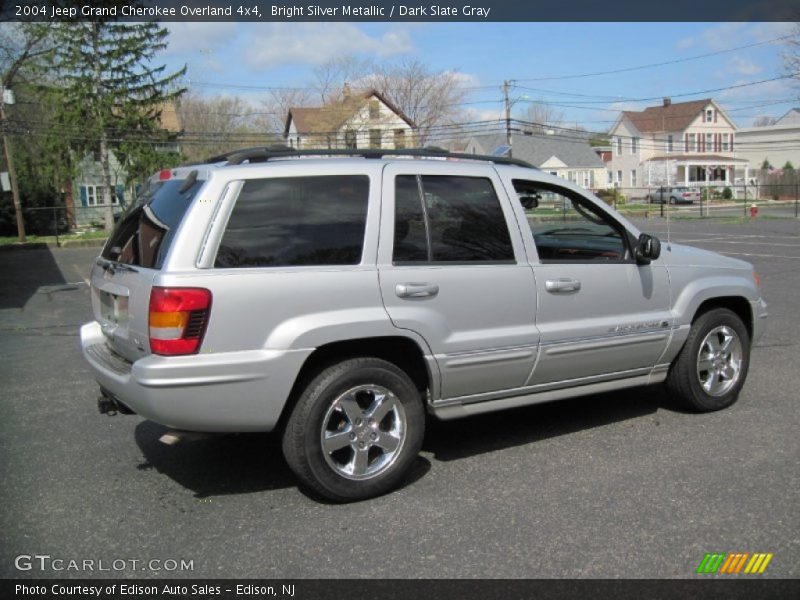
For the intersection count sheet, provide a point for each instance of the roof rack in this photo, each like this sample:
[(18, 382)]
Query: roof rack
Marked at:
[(265, 154)]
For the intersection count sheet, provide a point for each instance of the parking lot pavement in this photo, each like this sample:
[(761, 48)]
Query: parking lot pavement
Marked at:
[(617, 485)]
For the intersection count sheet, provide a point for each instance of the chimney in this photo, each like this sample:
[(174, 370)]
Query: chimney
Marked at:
[(667, 101)]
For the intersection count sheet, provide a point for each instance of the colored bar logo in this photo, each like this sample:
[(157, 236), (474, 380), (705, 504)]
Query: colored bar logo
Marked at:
[(734, 563)]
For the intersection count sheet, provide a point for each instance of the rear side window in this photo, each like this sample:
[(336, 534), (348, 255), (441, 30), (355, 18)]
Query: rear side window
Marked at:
[(294, 221), (449, 219), (145, 231)]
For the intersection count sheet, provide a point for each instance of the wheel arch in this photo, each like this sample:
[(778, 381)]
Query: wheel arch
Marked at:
[(404, 352), (737, 304)]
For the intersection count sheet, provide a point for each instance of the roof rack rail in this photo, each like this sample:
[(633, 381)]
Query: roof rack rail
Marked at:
[(264, 154)]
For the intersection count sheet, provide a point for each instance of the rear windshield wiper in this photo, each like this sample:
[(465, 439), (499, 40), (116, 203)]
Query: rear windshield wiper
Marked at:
[(113, 266)]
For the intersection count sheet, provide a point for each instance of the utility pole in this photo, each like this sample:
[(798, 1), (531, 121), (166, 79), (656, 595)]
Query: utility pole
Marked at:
[(12, 172), (506, 85)]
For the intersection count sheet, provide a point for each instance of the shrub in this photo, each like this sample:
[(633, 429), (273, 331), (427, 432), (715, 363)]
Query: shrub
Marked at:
[(727, 193)]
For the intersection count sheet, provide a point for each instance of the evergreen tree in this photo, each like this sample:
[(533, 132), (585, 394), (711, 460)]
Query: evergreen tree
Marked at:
[(112, 94)]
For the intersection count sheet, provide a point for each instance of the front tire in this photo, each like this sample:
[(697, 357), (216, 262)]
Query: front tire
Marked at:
[(710, 370), (355, 430)]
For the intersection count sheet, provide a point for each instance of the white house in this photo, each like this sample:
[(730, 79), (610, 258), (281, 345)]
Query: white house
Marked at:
[(777, 144), (572, 159), (684, 143), (364, 120)]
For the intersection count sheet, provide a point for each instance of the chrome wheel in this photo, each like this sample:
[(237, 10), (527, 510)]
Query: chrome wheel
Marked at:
[(719, 361), (363, 432)]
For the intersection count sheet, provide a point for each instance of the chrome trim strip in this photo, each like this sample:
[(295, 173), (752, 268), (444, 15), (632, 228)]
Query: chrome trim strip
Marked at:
[(542, 387), (455, 411), (574, 347), (487, 358)]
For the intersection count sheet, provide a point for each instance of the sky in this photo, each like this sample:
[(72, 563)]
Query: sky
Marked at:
[(239, 58)]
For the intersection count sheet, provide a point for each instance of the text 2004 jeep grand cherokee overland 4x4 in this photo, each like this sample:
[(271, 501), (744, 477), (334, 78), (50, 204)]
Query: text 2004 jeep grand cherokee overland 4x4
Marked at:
[(337, 299)]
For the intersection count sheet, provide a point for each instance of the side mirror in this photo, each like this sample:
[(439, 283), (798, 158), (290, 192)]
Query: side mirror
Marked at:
[(647, 249), (529, 200)]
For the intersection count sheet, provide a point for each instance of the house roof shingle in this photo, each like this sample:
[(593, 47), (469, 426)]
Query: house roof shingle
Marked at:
[(330, 117), (538, 149), (673, 117)]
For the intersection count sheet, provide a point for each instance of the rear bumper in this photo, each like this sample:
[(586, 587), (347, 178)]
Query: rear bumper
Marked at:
[(222, 392)]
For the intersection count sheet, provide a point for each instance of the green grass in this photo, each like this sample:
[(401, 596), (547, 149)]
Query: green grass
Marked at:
[(51, 239)]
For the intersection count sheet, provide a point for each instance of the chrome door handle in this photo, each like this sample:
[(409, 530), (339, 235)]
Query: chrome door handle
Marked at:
[(565, 284), (416, 290)]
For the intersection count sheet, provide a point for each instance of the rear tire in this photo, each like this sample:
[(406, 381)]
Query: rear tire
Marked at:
[(710, 370), (355, 430)]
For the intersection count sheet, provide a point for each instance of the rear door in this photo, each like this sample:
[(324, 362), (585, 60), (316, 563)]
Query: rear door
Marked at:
[(122, 276), (453, 269)]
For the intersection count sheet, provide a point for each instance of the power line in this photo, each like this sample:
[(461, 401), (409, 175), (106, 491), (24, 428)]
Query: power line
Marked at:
[(659, 64)]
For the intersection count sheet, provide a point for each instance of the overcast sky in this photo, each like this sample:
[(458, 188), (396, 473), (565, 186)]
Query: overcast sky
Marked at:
[(222, 56)]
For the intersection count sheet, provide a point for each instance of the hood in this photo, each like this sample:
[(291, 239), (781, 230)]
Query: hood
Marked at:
[(688, 256)]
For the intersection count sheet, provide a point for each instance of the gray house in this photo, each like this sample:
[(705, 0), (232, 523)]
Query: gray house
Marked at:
[(572, 159)]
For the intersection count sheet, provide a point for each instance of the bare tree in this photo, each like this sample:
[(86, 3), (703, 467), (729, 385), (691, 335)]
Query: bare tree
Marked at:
[(429, 98), (217, 125), (540, 117), (764, 121), (276, 107), (332, 76)]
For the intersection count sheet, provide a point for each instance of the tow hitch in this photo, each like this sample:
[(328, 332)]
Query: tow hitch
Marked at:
[(109, 405)]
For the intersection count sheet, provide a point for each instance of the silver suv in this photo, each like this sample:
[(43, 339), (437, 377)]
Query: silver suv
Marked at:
[(337, 300)]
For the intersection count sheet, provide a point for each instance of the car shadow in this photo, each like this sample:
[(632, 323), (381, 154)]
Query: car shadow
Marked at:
[(25, 271), (471, 436), (225, 464)]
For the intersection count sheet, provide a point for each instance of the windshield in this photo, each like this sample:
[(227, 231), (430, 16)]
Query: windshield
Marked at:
[(145, 231)]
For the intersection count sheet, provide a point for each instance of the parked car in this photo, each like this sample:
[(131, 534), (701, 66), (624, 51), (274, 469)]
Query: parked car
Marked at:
[(674, 195), (339, 301)]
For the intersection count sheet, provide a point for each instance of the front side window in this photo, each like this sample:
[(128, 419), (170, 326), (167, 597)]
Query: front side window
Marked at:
[(449, 219), (297, 221), (584, 233)]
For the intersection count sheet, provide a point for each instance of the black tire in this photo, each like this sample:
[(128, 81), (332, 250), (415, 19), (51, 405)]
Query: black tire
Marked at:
[(321, 403), (684, 379)]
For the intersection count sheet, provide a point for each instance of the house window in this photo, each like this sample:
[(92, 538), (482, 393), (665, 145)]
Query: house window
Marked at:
[(619, 177), (619, 145), (374, 109), (350, 139), (633, 178), (692, 142), (374, 138), (587, 179), (634, 145), (670, 144), (709, 115), (399, 138), (610, 178), (726, 144), (94, 195), (709, 142)]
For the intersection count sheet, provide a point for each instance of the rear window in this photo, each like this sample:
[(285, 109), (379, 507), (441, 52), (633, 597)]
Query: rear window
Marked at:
[(292, 221), (145, 231)]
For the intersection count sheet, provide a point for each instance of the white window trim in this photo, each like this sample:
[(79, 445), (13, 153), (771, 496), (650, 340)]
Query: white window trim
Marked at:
[(94, 195)]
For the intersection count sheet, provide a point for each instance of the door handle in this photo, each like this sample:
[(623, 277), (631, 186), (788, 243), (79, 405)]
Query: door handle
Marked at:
[(562, 285), (416, 290)]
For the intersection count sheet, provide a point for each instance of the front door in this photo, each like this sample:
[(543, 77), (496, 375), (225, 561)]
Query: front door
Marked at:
[(599, 313)]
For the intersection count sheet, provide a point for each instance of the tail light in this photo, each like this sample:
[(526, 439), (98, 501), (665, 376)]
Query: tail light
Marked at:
[(178, 319), (757, 279)]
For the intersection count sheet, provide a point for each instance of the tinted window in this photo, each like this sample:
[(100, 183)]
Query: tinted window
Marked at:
[(460, 220), (567, 227), (145, 231), (297, 221)]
